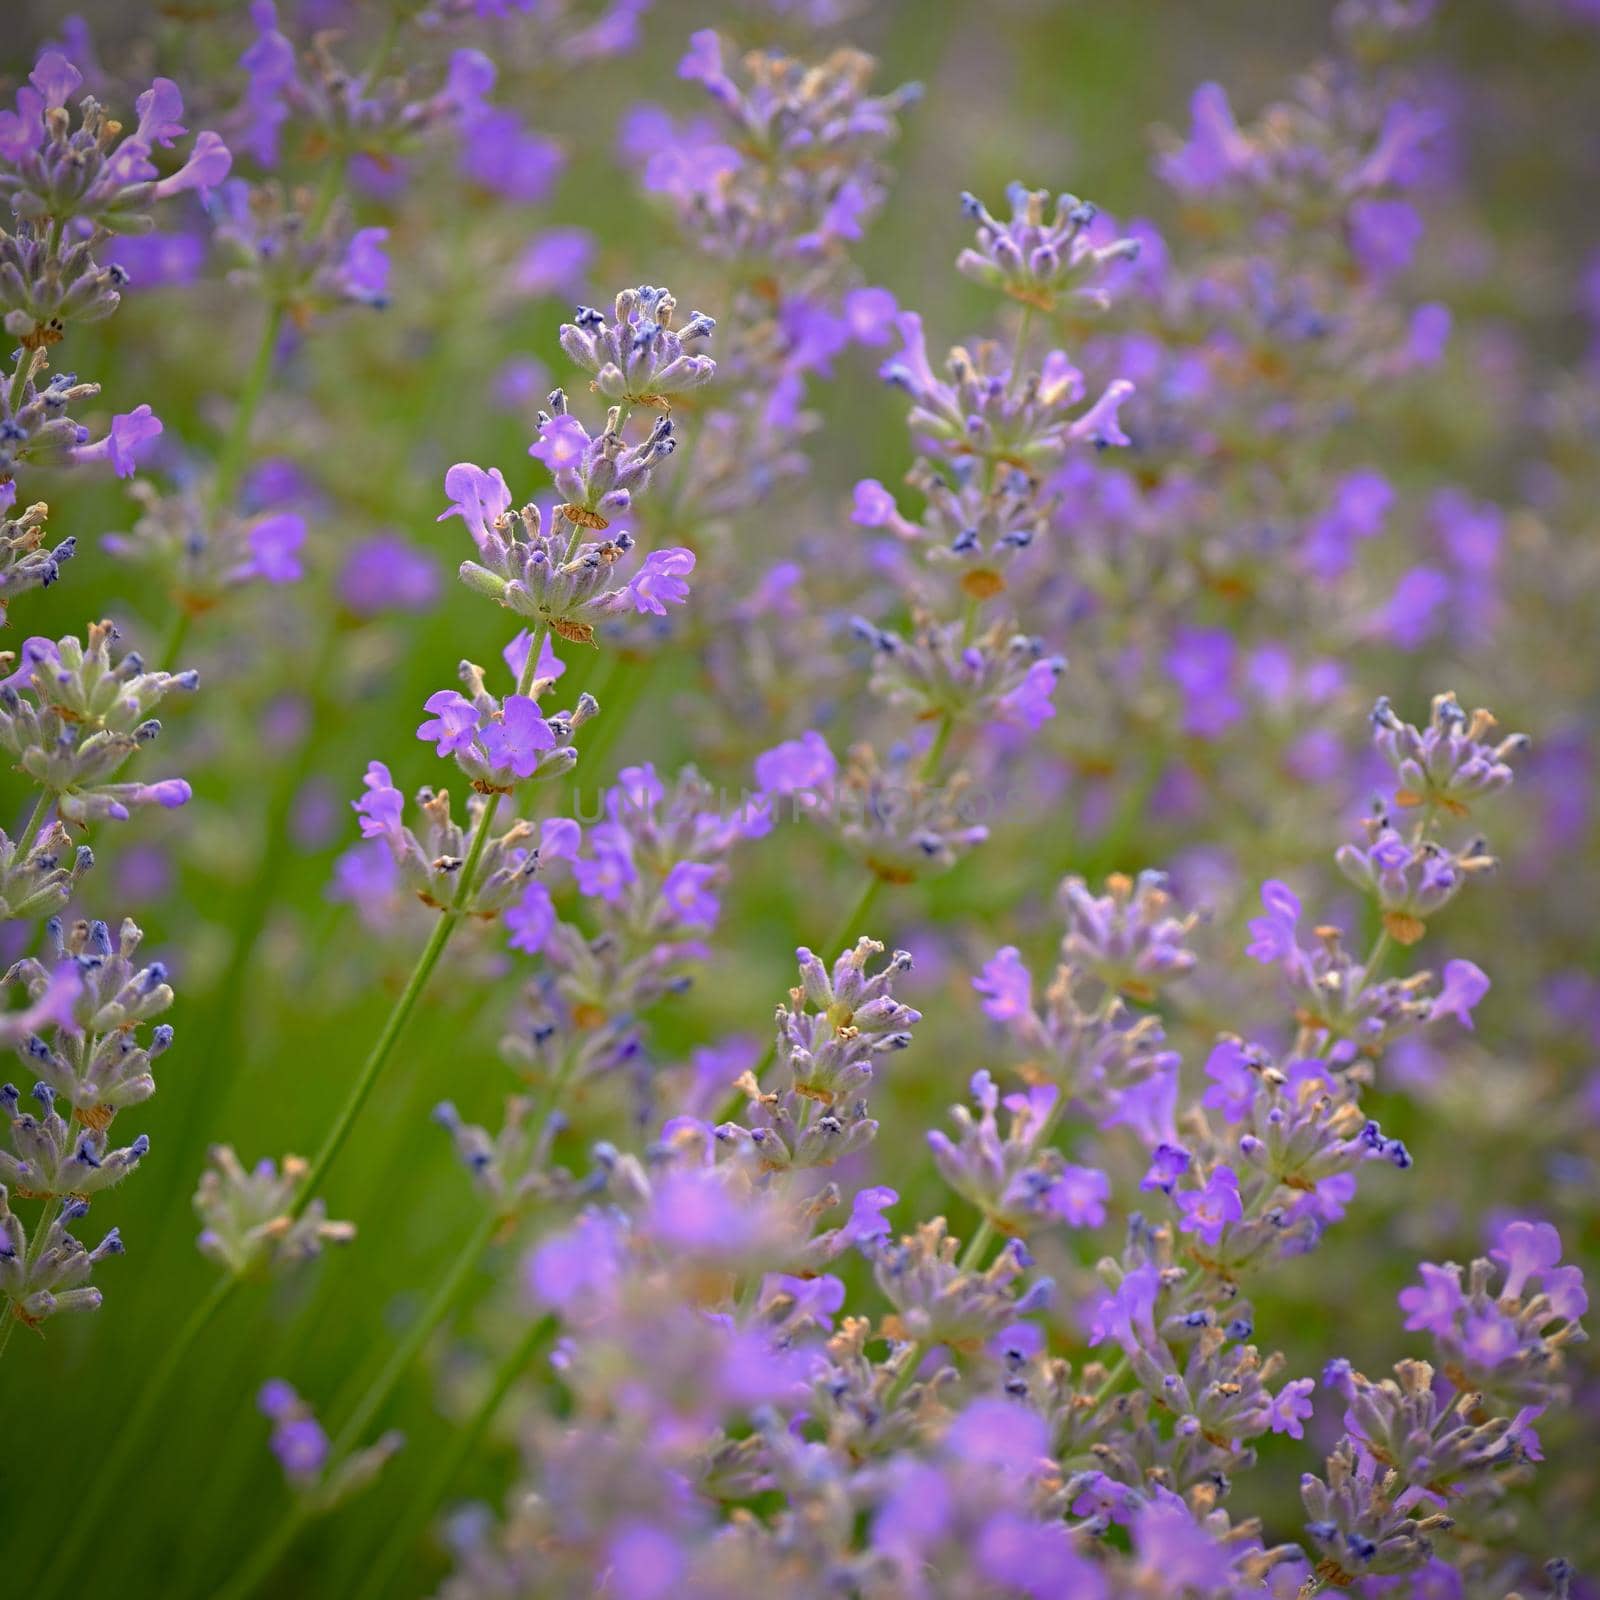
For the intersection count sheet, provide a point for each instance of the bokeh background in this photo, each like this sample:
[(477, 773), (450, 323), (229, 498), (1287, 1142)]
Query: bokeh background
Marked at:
[(298, 695)]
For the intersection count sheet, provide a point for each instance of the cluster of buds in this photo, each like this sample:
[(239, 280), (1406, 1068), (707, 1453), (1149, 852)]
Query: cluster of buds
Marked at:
[(998, 677), (1131, 938), (97, 1063), (820, 135), (35, 428), (1041, 258), (25, 563), (42, 874), (72, 716), (840, 1020), (1448, 765), (430, 860), (40, 1278), (1407, 1455), (1510, 1343), (83, 1043), (200, 556), (1020, 1182), (982, 412), (1082, 1037), (554, 577), (939, 1301), (246, 1218), (899, 821), (501, 744), (1410, 882), (53, 171), (638, 358), (293, 260)]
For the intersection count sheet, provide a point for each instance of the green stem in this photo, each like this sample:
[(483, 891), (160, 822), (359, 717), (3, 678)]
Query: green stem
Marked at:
[(19, 378), (1019, 350), (123, 1444), (258, 1566), (446, 1465), (32, 826), (410, 1347), (177, 634), (268, 1554), (400, 1014), (394, 1025), (936, 750), (231, 457)]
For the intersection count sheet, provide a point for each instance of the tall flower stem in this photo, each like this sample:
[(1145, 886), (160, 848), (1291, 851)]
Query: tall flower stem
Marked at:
[(446, 1465), (258, 1566), (236, 445), (115, 1459)]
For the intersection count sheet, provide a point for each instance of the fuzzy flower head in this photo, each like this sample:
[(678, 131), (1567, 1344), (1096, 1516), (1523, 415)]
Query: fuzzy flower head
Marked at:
[(638, 357), (1039, 257)]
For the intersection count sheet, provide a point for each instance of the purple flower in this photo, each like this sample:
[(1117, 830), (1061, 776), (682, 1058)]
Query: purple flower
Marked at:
[(1432, 1308), (999, 1434), (1526, 1250), (1233, 1083), (274, 544), (659, 581), (1201, 662), (803, 764), (1128, 1315), (1031, 703), (1209, 1210), (380, 808), (1006, 986), (609, 869), (1384, 235), (554, 262), (364, 272), (1216, 151), (874, 506), (454, 723), (644, 1562), (1168, 1163), (501, 154), (531, 920), (1464, 986), (560, 839), (167, 792), (686, 889), (479, 498), (561, 443), (208, 164), (1359, 509), (55, 78), (1177, 1552), (515, 655), (869, 315), (1079, 1196), (301, 1446), (1272, 937), (1489, 1338), (518, 739), (867, 1222), (387, 573), (1409, 615), (132, 432), (159, 108), (1291, 1405)]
